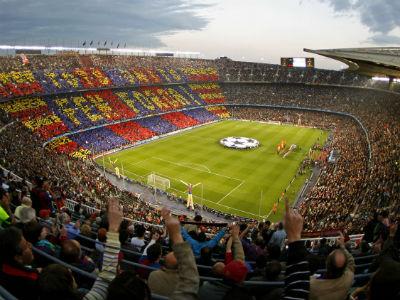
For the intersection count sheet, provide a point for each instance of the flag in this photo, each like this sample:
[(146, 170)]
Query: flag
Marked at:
[(105, 43), (98, 43), (91, 43), (84, 44), (112, 43), (118, 46), (125, 45)]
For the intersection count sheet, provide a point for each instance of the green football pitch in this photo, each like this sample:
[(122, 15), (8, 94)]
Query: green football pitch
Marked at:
[(242, 182)]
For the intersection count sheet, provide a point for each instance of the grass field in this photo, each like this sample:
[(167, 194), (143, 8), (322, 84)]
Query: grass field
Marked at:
[(242, 182)]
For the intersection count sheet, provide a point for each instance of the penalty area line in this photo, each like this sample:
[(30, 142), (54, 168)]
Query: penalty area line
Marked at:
[(186, 166), (235, 188)]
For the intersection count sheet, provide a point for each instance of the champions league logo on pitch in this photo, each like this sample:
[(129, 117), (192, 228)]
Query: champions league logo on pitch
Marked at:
[(239, 142)]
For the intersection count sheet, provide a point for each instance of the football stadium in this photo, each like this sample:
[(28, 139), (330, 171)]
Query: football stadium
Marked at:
[(247, 167)]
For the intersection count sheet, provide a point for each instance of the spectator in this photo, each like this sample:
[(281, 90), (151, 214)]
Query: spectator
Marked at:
[(278, 237), (76, 214), (323, 249), (369, 228), (71, 253), (5, 212), (127, 286), (164, 281), (57, 281), (25, 202), (73, 230), (85, 237), (155, 236), (339, 275), (27, 216), (234, 273), (138, 240), (16, 257), (101, 239), (380, 230), (152, 259), (197, 245)]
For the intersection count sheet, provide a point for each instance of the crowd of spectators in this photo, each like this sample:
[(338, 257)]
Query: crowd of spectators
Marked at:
[(74, 255), (72, 73), (239, 71), (66, 73), (357, 184)]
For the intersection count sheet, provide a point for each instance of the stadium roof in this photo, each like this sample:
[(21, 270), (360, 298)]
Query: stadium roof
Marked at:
[(377, 61)]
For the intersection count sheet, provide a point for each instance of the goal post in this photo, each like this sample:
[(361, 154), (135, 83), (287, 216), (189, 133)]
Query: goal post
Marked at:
[(158, 182)]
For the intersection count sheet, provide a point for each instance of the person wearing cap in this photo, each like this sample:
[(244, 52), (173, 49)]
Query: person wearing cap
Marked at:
[(44, 214), (234, 271)]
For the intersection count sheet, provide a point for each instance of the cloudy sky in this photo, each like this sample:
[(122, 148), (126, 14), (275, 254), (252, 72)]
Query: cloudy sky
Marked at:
[(251, 30)]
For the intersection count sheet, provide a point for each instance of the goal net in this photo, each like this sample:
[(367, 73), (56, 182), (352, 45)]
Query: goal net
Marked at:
[(158, 182)]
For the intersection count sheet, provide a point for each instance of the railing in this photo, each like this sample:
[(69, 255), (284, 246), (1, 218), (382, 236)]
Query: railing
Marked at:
[(74, 269), (70, 204), (4, 294)]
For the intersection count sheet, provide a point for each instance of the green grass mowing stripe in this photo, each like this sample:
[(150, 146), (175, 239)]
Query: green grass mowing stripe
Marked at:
[(192, 154)]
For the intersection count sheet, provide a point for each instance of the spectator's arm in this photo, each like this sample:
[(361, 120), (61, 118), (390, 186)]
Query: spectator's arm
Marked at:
[(238, 252), (228, 251), (390, 240), (186, 236), (110, 258), (349, 258), (188, 284), (351, 265), (214, 241), (152, 242), (244, 232), (297, 277)]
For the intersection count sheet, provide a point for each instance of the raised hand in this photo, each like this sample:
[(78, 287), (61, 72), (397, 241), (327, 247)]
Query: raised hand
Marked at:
[(340, 240), (235, 230), (114, 214), (173, 226), (393, 229), (293, 223)]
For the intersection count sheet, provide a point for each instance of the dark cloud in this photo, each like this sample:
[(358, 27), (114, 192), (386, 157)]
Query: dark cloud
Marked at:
[(340, 5), (384, 39), (140, 23), (380, 16)]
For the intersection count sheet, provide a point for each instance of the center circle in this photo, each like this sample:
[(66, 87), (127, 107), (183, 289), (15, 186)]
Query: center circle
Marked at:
[(241, 142)]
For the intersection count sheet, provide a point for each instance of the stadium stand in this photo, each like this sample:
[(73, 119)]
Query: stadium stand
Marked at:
[(79, 106)]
